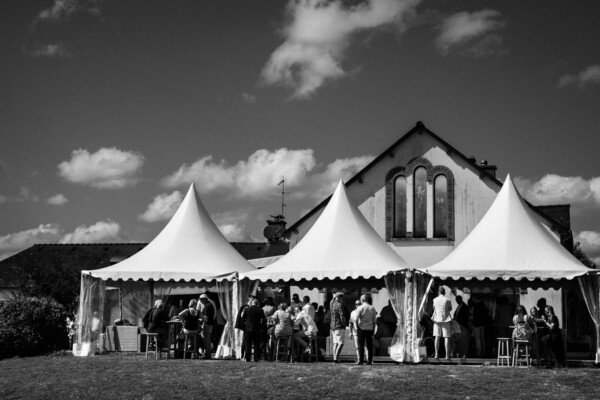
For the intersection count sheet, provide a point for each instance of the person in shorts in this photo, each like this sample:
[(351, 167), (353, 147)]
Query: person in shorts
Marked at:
[(441, 322), (338, 325)]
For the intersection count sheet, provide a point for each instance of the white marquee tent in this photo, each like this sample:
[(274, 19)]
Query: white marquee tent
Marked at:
[(509, 243), (187, 255)]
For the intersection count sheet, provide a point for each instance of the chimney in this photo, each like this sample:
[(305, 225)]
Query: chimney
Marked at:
[(275, 228), (490, 169)]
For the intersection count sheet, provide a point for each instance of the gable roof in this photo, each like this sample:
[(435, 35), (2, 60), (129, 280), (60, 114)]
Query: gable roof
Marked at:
[(190, 247), (341, 244), (509, 243), (419, 128)]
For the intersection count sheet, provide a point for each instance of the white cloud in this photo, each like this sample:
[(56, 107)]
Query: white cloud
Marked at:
[(590, 244), (101, 231), (15, 242), (317, 35), (477, 29), (232, 225), (257, 177), (249, 98), (63, 9), (48, 50), (57, 200), (108, 168), (24, 194), (556, 189), (163, 207), (589, 76)]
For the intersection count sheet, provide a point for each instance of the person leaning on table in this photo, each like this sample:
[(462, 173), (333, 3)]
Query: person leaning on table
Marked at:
[(366, 321)]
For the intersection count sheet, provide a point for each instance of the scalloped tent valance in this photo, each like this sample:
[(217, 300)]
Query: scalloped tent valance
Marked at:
[(340, 245), (189, 248), (509, 243)]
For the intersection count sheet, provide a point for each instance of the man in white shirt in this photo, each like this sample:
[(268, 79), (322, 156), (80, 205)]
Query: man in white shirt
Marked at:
[(366, 321), (309, 328), (441, 321), (353, 328), (308, 308)]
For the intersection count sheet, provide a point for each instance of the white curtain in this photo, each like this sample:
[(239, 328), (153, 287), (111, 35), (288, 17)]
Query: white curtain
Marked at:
[(226, 343), (421, 286), (90, 315), (395, 283), (590, 288), (241, 290)]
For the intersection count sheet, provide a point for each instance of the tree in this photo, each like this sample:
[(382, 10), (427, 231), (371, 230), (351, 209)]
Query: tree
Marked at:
[(581, 256)]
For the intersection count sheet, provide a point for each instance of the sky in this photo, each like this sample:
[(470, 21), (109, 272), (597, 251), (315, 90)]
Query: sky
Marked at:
[(109, 109)]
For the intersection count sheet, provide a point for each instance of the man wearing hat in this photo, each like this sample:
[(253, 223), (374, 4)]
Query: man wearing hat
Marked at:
[(338, 324), (209, 313)]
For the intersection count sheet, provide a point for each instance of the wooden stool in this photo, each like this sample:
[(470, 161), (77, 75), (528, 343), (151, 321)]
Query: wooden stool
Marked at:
[(152, 338), (190, 339), (521, 344), (503, 352), (283, 340), (313, 352)]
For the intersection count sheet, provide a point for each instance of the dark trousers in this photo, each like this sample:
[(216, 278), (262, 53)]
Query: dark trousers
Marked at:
[(252, 339), (553, 343), (365, 338)]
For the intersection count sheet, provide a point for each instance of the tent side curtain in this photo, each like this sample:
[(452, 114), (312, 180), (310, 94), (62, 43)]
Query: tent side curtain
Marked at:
[(590, 286), (226, 342), (395, 284), (91, 311)]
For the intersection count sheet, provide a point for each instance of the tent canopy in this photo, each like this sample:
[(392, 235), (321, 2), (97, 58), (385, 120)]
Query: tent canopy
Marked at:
[(341, 244), (509, 243), (190, 247)]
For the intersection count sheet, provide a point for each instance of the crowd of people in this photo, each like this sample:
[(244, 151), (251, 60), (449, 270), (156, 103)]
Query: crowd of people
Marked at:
[(470, 330)]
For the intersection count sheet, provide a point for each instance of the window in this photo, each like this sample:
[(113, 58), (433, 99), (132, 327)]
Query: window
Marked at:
[(420, 203), (440, 207), (399, 207)]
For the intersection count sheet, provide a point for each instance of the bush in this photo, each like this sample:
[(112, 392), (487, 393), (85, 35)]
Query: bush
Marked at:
[(32, 326)]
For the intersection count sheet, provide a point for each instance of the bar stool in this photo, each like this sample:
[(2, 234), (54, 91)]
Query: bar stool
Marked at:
[(503, 352), (281, 347), (152, 338), (190, 339), (313, 349), (521, 344)]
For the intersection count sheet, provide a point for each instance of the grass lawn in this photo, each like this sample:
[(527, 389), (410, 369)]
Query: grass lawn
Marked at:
[(130, 376)]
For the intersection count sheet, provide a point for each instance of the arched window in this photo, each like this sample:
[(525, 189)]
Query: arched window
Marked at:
[(440, 207), (399, 207), (420, 203)]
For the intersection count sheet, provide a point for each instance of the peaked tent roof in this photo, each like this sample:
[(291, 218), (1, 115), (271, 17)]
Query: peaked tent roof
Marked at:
[(509, 243), (190, 247), (341, 244)]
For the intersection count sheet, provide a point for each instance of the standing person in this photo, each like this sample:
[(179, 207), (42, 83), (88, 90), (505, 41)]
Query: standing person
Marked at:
[(388, 316), (441, 322), (366, 321), (254, 321), (308, 308), (353, 327), (309, 329), (296, 302), (478, 324), (338, 325), (461, 315), (209, 314)]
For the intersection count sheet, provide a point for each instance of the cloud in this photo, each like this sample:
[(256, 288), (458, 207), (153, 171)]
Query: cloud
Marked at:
[(15, 242), (57, 200), (248, 98), (588, 77), (108, 168), (317, 34), (63, 9), (232, 225), (257, 177), (590, 244), (162, 207), (101, 231), (477, 29), (556, 189), (24, 195), (48, 50)]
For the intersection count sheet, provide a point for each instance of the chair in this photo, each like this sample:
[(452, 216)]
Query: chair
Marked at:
[(503, 352), (152, 338), (520, 357), (313, 349), (191, 338), (281, 347)]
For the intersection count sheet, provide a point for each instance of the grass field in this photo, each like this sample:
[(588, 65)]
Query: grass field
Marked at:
[(116, 376)]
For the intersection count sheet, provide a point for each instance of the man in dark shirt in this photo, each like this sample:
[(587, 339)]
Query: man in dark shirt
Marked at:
[(254, 321), (461, 315), (209, 316)]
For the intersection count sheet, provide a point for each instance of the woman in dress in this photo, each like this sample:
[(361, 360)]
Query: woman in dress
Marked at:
[(282, 320), (552, 341), (524, 325)]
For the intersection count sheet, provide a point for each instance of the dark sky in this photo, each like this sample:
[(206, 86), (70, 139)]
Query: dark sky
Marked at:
[(109, 109)]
